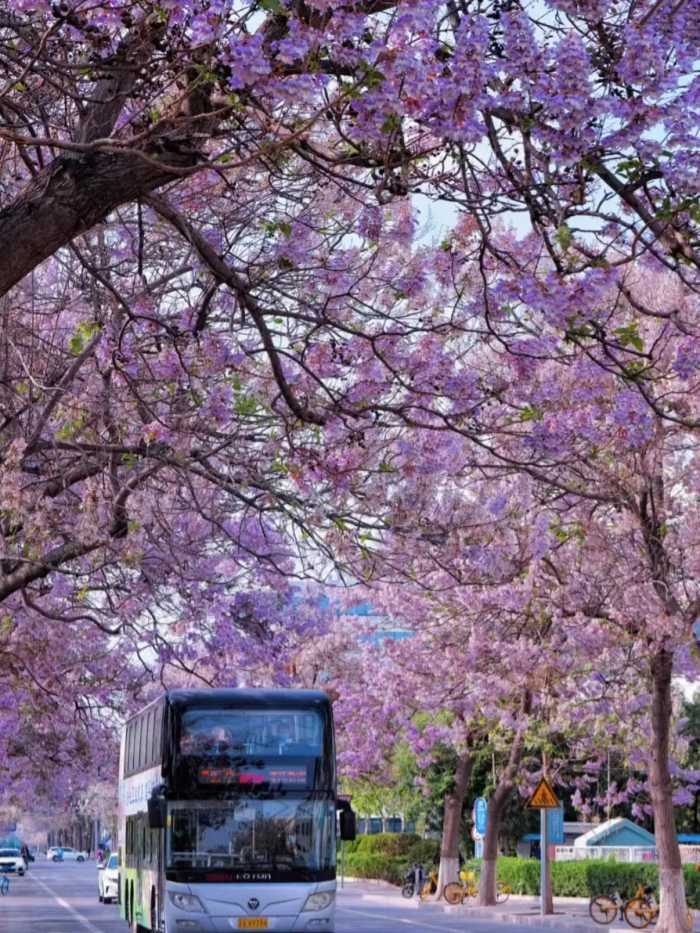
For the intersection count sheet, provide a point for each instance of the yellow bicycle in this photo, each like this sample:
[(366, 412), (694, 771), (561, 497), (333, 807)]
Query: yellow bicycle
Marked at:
[(643, 909), (429, 886), (456, 892)]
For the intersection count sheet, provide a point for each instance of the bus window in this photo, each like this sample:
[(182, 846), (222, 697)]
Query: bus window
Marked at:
[(268, 733), (130, 748), (147, 758)]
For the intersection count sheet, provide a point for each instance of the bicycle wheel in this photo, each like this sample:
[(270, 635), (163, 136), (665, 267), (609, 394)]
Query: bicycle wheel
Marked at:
[(503, 892), (638, 912), (602, 909), (453, 892), (407, 889)]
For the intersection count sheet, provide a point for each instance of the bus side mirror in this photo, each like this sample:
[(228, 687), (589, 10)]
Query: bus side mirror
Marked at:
[(348, 827), (157, 811)]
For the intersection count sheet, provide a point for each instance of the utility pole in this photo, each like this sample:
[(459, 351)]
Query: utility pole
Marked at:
[(546, 902)]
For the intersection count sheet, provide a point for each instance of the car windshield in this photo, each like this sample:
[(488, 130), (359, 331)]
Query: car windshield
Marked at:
[(9, 853), (113, 862), (251, 732), (282, 836)]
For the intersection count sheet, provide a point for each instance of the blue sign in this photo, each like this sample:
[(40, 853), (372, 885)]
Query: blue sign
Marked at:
[(481, 811), (555, 827)]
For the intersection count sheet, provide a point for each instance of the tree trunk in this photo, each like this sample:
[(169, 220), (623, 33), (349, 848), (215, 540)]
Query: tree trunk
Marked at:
[(673, 914), (487, 879), (72, 195), (452, 824), (497, 802)]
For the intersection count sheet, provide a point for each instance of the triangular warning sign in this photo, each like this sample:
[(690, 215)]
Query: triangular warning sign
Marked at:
[(544, 797)]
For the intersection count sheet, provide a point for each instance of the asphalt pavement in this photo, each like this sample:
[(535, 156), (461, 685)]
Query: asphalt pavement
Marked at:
[(62, 898)]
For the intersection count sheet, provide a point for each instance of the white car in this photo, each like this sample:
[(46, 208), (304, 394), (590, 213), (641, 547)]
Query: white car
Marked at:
[(11, 860), (65, 854), (108, 880)]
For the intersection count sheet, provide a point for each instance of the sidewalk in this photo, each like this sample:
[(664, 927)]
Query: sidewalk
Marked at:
[(570, 913)]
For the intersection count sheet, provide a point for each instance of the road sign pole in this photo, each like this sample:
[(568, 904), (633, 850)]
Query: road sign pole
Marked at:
[(544, 864)]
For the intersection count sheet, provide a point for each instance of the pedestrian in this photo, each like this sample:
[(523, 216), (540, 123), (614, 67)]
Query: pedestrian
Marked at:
[(417, 878)]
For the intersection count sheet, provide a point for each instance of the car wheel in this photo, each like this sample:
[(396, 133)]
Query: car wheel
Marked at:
[(20, 871), (100, 898), (55, 858), (80, 858)]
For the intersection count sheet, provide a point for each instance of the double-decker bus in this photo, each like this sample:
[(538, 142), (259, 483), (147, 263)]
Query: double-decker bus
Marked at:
[(227, 813)]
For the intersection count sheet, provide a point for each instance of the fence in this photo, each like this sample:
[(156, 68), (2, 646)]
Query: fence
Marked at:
[(616, 853), (690, 855)]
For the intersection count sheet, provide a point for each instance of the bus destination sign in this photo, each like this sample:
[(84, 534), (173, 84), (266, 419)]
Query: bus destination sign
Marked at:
[(212, 774)]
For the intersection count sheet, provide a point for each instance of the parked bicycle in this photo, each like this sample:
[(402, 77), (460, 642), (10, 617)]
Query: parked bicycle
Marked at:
[(457, 892), (643, 909), (429, 885), (604, 908), (638, 911), (417, 882)]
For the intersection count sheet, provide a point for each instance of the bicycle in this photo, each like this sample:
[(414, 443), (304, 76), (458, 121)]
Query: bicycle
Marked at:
[(643, 909), (4, 885), (429, 886), (604, 908), (456, 892)]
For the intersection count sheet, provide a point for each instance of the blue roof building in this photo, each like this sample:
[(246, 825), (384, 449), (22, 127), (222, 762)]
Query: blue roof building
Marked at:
[(619, 832)]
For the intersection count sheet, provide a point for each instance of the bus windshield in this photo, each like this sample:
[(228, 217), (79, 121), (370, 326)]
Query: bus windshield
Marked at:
[(244, 732), (271, 839)]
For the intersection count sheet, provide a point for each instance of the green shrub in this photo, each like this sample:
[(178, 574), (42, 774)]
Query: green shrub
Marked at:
[(388, 856), (369, 865), (390, 844)]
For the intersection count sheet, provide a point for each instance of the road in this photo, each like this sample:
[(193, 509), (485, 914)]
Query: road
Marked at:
[(62, 898)]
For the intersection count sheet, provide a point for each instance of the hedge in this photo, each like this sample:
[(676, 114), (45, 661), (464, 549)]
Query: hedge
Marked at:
[(388, 856), (591, 876)]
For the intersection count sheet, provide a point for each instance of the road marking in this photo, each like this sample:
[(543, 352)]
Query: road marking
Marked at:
[(71, 910), (415, 923)]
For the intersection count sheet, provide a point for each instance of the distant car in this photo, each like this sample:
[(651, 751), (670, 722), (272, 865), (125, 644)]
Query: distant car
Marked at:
[(65, 854), (11, 860), (108, 880)]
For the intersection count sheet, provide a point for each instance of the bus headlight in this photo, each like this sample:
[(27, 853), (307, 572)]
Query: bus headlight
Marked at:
[(186, 902), (319, 901)]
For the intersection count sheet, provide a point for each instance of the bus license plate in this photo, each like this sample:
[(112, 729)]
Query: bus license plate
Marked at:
[(252, 923)]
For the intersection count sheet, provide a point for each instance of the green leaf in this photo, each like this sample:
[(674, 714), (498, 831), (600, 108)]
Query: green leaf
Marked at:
[(391, 124), (272, 6), (531, 413), (629, 336), (372, 76), (245, 405), (564, 237), (76, 344)]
